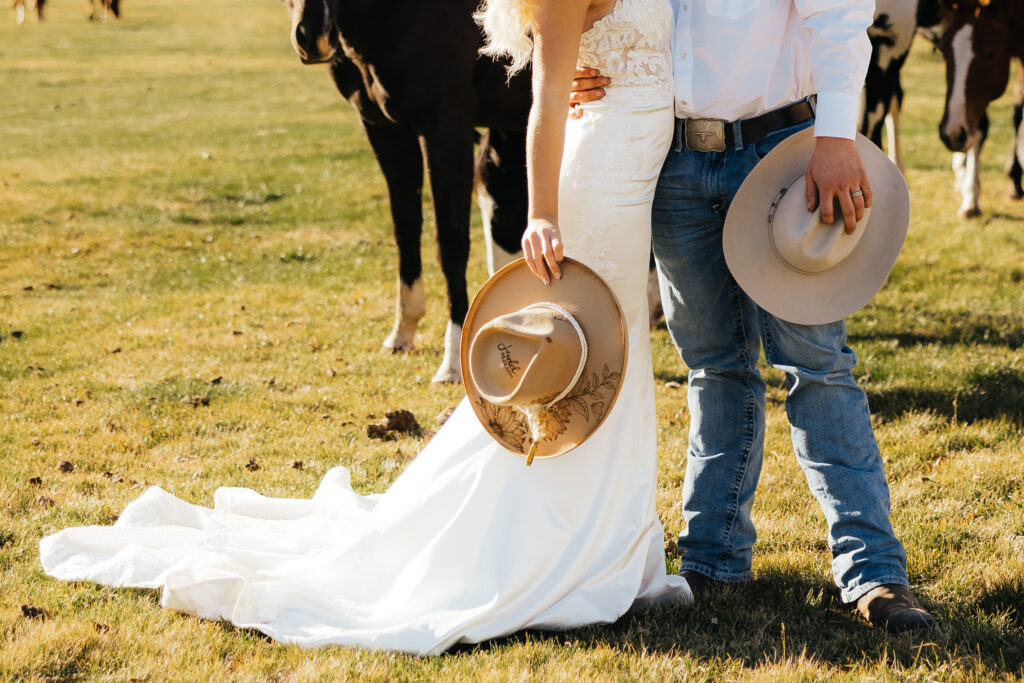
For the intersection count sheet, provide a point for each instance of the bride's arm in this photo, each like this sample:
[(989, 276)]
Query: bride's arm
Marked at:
[(558, 28)]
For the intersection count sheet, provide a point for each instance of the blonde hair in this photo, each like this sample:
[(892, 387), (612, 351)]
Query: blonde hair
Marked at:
[(508, 26)]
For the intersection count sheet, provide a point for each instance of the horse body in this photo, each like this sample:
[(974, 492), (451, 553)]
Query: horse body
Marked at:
[(412, 70), (979, 40), (891, 34)]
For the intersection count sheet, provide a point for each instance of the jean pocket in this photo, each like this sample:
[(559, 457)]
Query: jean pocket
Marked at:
[(731, 9)]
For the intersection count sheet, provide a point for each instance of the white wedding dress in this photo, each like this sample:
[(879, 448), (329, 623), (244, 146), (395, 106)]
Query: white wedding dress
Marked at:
[(469, 543)]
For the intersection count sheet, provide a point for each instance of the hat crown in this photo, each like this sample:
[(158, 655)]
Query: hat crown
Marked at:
[(528, 357), (802, 241)]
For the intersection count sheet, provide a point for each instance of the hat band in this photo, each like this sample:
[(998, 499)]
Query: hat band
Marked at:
[(583, 347)]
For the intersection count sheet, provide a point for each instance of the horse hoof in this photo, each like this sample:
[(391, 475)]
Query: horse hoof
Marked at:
[(393, 345), (972, 212), (448, 376)]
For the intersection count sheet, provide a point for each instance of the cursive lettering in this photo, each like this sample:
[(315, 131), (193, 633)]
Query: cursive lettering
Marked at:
[(511, 365)]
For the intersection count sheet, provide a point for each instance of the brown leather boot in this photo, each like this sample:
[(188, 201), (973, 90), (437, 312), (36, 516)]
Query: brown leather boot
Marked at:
[(700, 584), (894, 608)]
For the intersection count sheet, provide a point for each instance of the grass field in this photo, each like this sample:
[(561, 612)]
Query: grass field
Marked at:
[(188, 215)]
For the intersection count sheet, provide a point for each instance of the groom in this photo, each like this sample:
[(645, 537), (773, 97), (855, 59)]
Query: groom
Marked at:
[(745, 72)]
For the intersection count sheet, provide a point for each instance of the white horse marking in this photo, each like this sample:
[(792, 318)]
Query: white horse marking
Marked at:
[(497, 258), (892, 135), (966, 178), (410, 308), (450, 371), (956, 110)]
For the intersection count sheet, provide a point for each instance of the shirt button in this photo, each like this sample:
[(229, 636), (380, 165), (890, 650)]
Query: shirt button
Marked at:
[(686, 7), (683, 55)]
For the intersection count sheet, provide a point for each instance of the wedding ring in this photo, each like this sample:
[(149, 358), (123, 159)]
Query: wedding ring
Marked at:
[(856, 193)]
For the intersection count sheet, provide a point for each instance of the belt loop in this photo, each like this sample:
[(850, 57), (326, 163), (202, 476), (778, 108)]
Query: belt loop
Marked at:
[(737, 134), (677, 138), (812, 100)]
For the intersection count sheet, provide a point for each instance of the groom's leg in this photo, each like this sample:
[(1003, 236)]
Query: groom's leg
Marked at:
[(835, 444), (715, 327)]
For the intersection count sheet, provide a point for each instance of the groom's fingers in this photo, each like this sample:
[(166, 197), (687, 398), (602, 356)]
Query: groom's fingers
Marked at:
[(587, 90), (810, 191)]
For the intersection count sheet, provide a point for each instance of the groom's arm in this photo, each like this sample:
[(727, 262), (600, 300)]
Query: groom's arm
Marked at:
[(839, 55)]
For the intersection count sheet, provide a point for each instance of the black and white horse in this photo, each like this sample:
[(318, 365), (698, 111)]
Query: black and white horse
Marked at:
[(892, 33), (979, 40), (412, 70)]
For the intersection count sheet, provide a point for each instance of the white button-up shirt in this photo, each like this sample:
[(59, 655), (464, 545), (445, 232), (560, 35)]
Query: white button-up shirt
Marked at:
[(734, 59)]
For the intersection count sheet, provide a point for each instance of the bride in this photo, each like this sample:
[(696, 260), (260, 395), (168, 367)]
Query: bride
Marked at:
[(468, 544)]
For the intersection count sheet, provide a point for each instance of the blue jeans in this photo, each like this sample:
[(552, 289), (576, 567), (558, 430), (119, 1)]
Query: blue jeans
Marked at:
[(719, 333)]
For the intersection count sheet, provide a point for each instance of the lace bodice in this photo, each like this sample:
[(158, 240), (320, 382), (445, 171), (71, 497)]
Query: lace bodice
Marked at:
[(631, 44)]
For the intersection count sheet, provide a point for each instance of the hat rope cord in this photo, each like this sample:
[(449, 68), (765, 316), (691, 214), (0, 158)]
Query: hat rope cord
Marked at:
[(536, 413)]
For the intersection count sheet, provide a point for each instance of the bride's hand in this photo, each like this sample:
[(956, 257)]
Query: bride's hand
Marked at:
[(542, 248)]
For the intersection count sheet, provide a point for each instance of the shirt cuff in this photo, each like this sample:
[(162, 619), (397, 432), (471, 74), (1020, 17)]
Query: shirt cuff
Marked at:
[(836, 115)]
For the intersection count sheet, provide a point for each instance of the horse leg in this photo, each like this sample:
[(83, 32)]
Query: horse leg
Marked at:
[(654, 307), (115, 7), (401, 161), (19, 11), (449, 151), (892, 131), (1015, 167), (500, 171), (969, 173)]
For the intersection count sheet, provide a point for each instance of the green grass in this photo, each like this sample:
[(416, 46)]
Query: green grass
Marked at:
[(187, 202)]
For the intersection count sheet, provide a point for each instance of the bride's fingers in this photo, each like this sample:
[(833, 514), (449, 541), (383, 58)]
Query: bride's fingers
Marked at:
[(528, 257), (559, 251), (533, 253), (551, 259)]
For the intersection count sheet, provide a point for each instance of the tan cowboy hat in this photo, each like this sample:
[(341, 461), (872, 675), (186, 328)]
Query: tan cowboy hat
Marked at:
[(793, 265), (543, 364)]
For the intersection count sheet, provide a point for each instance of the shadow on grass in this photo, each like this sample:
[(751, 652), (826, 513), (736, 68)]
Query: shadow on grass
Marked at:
[(1006, 599), (965, 327), (781, 617), (987, 395)]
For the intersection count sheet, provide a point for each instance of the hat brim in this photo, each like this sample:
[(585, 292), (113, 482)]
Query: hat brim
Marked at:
[(803, 298), (594, 306)]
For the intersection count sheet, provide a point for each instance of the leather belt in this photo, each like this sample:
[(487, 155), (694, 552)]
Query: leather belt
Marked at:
[(717, 135)]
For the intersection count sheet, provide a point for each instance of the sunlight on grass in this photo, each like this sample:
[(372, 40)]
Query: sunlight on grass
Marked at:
[(197, 271)]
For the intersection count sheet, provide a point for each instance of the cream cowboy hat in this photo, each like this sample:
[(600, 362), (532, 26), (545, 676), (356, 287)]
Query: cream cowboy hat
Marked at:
[(793, 265), (542, 364)]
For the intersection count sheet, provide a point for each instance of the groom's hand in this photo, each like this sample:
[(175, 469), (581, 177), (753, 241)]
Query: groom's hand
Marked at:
[(587, 86), (836, 172)]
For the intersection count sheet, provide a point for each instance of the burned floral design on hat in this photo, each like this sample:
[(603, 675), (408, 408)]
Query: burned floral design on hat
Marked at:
[(588, 399)]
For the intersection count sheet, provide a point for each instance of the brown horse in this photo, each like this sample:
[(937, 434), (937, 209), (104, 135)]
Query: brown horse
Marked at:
[(106, 8), (19, 10), (979, 40)]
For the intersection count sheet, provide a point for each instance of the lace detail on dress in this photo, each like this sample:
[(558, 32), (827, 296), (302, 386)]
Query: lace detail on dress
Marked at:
[(630, 44), (615, 148)]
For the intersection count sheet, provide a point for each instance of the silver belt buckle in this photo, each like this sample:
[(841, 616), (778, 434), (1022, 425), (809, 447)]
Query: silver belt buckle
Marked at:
[(704, 135)]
